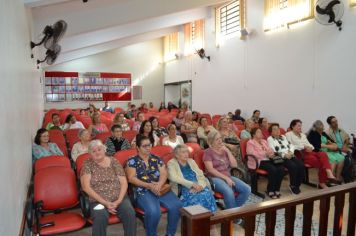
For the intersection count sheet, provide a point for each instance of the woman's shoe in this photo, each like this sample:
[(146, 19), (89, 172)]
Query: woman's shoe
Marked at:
[(271, 195), (278, 194), (334, 181)]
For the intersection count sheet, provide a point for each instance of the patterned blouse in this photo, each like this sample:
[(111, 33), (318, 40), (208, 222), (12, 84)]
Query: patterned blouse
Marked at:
[(38, 151), (104, 180), (145, 173)]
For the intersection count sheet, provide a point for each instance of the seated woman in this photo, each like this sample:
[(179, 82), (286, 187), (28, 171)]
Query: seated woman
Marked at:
[(281, 146), (140, 117), (147, 131), (97, 126), (259, 148), (179, 119), (104, 180), (148, 174), (323, 143), (218, 162), (184, 171), (116, 142), (119, 119), (263, 125), (315, 159), (172, 139), (245, 134), (203, 131), (189, 128), (72, 123), (195, 116), (91, 110), (255, 116), (42, 147), (82, 146), (229, 137), (157, 130)]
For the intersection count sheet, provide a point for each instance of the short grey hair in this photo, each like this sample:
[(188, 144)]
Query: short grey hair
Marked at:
[(95, 143), (178, 148), (211, 137), (81, 132), (318, 124)]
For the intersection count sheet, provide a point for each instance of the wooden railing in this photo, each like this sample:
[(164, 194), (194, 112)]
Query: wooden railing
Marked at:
[(196, 221)]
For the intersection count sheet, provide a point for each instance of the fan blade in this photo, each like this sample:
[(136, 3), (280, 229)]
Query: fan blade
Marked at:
[(320, 10), (59, 29), (332, 17), (329, 7)]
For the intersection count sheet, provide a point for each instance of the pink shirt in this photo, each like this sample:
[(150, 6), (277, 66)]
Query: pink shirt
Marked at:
[(221, 163), (259, 150)]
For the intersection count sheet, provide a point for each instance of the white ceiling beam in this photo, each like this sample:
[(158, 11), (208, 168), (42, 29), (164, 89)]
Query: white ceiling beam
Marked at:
[(42, 3)]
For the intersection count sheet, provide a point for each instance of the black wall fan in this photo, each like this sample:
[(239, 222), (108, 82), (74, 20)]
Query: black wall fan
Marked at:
[(201, 53), (328, 12), (51, 55), (52, 34)]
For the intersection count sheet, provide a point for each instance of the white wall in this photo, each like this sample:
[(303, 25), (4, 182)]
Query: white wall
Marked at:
[(21, 105), (172, 94), (306, 72), (142, 60)]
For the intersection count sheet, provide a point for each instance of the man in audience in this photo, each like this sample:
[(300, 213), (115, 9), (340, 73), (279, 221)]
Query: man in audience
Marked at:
[(256, 116), (338, 135), (238, 116), (116, 142), (107, 108), (56, 123)]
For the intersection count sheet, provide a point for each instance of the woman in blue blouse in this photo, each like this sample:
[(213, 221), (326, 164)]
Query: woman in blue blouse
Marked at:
[(148, 174), (42, 147)]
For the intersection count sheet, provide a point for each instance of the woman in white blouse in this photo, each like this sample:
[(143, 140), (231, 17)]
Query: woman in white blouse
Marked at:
[(283, 148), (172, 139), (72, 123), (81, 147)]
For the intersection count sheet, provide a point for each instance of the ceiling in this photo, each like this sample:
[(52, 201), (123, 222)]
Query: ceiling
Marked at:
[(102, 25)]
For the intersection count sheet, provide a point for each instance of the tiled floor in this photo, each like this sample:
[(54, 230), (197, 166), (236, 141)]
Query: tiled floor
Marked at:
[(118, 230)]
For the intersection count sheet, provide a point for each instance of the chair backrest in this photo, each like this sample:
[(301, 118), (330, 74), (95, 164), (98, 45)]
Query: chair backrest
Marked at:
[(238, 122), (72, 137), (51, 161), (243, 146), (164, 152), (123, 155), (130, 122), (103, 136), (240, 127), (129, 135), (118, 110), (238, 133), (56, 187), (86, 120), (80, 161), (215, 119), (164, 121), (208, 118), (193, 148), (56, 136), (198, 158), (282, 131)]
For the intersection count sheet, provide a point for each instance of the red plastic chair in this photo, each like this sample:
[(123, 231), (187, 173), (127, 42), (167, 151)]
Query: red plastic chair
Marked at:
[(123, 155), (118, 110), (103, 136), (129, 135), (55, 188), (193, 148), (164, 152), (215, 119), (80, 161), (86, 120), (50, 161), (282, 131), (130, 122), (208, 117), (71, 137), (164, 121), (56, 136)]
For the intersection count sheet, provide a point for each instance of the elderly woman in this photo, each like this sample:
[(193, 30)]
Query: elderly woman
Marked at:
[(72, 123), (104, 180), (157, 130), (259, 148), (323, 143), (147, 131), (97, 126), (184, 171), (283, 148), (82, 146), (229, 137), (245, 134), (116, 142), (42, 147), (149, 175), (189, 128), (119, 119), (179, 119), (263, 125), (218, 161), (315, 159), (172, 139), (203, 131)]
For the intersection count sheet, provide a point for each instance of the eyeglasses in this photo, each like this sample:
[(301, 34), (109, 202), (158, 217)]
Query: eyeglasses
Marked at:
[(146, 145)]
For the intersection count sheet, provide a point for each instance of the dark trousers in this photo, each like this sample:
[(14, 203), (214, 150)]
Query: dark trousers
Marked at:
[(125, 212), (275, 175), (296, 171)]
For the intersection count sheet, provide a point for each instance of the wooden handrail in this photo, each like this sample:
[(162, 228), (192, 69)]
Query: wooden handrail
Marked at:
[(249, 212)]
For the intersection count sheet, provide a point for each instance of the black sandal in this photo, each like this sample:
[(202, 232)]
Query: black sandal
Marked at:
[(271, 195)]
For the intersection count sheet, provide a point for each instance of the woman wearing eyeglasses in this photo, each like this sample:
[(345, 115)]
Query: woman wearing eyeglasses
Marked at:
[(148, 174), (283, 148), (120, 120)]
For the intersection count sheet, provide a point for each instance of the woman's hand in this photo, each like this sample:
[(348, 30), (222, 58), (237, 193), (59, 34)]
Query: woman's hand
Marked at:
[(111, 207), (229, 182), (333, 147), (196, 188)]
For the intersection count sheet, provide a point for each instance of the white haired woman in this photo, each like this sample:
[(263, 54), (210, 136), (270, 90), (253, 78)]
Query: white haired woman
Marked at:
[(81, 147), (184, 171), (104, 180)]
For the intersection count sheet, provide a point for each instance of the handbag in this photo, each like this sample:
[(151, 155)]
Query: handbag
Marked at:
[(232, 141), (277, 160), (164, 189)]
